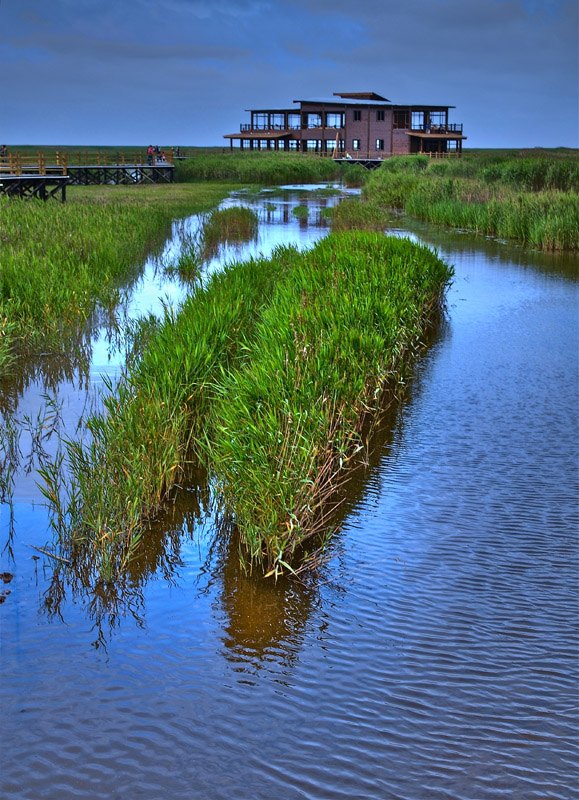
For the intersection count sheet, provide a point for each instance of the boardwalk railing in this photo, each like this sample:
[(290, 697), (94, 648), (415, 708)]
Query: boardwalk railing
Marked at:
[(57, 162)]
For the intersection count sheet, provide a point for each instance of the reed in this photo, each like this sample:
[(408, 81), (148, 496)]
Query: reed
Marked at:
[(228, 225), (357, 214), (534, 200), (267, 169), (59, 262), (265, 377)]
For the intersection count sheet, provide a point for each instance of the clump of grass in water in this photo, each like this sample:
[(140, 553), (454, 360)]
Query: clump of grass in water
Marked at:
[(357, 214), (228, 225), (265, 377), (301, 212)]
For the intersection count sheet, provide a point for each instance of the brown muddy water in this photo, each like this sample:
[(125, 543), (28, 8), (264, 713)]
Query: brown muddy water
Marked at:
[(433, 656)]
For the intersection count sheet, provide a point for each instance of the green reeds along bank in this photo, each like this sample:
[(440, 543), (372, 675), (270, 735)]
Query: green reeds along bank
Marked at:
[(534, 200), (265, 377), (263, 168), (59, 261)]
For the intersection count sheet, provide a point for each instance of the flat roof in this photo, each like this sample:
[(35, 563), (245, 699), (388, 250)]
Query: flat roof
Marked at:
[(345, 101)]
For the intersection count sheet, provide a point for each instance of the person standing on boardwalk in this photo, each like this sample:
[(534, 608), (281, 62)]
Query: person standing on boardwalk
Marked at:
[(150, 155)]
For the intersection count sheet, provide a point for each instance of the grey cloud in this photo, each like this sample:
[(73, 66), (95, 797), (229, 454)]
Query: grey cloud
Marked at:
[(72, 46)]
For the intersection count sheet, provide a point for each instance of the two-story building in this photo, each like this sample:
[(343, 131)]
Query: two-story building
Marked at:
[(351, 125)]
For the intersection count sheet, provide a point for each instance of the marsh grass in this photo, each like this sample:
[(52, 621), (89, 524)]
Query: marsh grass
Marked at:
[(228, 225), (358, 214), (58, 262), (265, 378), (267, 169), (300, 212), (532, 199)]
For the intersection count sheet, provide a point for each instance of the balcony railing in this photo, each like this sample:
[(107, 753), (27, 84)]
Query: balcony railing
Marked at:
[(455, 127)]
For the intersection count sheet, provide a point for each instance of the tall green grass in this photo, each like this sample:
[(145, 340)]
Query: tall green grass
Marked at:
[(59, 261), (265, 377), (262, 168), (534, 199), (234, 224)]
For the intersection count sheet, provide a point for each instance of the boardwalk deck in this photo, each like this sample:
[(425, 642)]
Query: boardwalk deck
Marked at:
[(45, 182)]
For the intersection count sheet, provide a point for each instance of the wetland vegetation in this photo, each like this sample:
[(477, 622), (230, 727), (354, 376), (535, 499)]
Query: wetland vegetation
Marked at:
[(58, 262), (271, 369), (528, 197), (266, 378)]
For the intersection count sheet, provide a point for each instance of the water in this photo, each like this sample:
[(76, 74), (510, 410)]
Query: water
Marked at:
[(434, 656)]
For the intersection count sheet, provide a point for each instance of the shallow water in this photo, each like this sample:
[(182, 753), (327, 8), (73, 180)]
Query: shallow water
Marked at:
[(434, 656)]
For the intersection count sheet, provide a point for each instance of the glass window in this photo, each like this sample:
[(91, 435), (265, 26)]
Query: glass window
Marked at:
[(400, 120), (355, 144), (417, 120), (314, 120), (437, 120), (277, 121), (334, 120), (294, 121), (379, 144), (357, 116), (380, 116)]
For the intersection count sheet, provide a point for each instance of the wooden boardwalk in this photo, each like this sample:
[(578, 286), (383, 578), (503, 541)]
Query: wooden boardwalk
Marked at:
[(33, 177)]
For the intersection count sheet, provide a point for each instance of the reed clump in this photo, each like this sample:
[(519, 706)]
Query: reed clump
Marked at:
[(357, 214), (265, 378), (532, 199), (228, 225)]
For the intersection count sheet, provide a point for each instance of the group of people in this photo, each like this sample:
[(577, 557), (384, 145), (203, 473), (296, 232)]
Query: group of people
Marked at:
[(155, 155)]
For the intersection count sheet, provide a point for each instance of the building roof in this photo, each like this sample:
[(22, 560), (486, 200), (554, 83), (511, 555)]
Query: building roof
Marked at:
[(344, 101)]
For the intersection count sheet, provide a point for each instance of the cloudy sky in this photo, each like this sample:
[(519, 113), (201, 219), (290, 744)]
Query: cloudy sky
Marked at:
[(183, 71)]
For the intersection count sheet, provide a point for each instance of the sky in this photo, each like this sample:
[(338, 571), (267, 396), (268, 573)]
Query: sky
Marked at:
[(183, 72)]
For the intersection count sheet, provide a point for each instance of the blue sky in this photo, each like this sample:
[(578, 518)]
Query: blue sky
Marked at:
[(184, 71)]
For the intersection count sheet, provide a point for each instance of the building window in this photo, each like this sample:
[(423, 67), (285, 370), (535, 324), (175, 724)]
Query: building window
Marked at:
[(380, 116), (437, 121), (294, 121), (417, 120), (334, 121), (379, 144), (260, 122), (357, 116), (401, 120), (314, 120), (355, 144)]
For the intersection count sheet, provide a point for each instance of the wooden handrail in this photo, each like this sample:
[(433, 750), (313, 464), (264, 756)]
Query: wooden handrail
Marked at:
[(41, 163)]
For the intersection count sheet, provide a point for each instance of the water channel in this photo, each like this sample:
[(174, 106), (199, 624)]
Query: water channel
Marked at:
[(435, 654)]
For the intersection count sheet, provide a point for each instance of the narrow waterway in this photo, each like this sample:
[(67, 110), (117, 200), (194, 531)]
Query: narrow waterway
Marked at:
[(436, 653)]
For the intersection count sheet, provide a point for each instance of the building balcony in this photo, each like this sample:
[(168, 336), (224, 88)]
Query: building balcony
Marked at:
[(455, 127)]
